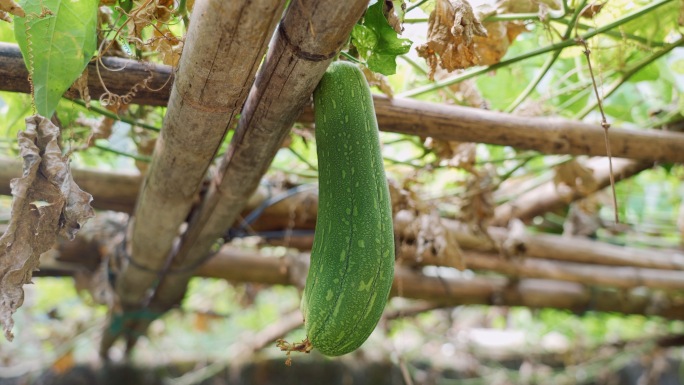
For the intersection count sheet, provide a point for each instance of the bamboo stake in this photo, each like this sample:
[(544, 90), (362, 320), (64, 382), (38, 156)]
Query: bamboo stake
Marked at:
[(407, 116), (223, 49)]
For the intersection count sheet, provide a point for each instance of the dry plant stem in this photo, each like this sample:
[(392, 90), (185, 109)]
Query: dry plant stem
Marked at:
[(445, 291), (309, 37), (548, 197), (543, 134), (224, 46), (124, 74), (605, 125), (242, 350), (449, 291), (549, 61), (412, 117), (118, 191), (594, 275), (250, 266), (553, 47)]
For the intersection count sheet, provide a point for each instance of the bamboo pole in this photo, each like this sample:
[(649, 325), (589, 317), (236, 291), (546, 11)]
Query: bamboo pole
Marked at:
[(223, 49), (547, 197), (308, 39), (413, 117), (623, 277), (454, 290), (118, 190), (118, 75), (446, 288)]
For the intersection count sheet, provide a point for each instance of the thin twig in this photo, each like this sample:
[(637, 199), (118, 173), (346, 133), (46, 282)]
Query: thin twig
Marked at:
[(468, 74), (111, 115), (604, 124), (549, 61)]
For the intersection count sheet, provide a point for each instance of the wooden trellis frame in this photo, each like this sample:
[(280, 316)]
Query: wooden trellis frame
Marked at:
[(212, 85)]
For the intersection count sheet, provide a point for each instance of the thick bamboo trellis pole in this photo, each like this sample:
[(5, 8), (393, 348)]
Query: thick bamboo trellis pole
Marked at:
[(443, 289), (550, 246), (308, 38), (547, 197), (407, 116), (223, 49), (453, 290)]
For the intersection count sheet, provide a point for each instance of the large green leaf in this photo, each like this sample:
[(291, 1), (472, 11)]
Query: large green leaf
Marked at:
[(58, 45), (377, 41)]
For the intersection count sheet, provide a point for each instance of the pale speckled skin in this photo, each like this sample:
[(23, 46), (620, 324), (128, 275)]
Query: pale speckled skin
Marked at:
[(352, 260)]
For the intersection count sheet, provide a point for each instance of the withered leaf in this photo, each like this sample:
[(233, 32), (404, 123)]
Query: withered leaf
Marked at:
[(9, 7), (527, 6), (451, 29), (81, 85), (394, 16), (456, 154), (476, 208), (572, 177), (378, 80), (422, 236), (491, 48), (46, 204)]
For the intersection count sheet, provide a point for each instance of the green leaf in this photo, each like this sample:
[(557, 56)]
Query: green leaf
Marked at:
[(381, 49), (678, 66), (60, 42), (649, 73), (364, 39)]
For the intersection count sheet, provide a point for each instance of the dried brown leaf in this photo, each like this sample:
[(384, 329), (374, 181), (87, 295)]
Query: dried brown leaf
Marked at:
[(99, 128), (451, 30), (526, 6), (46, 204), (378, 80), (573, 177), (163, 9), (391, 15), (457, 154), (491, 48), (583, 218), (168, 45), (423, 238), (12, 8), (81, 85), (592, 9), (477, 206)]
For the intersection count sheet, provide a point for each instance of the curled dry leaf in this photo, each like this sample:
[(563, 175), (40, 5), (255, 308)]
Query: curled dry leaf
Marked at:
[(476, 207), (572, 177), (145, 142), (451, 30), (378, 80), (99, 128), (527, 6), (456, 154), (392, 15), (515, 242), (107, 231), (9, 7), (81, 85), (163, 10), (422, 237), (593, 9), (583, 218), (46, 204), (491, 48), (168, 45)]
